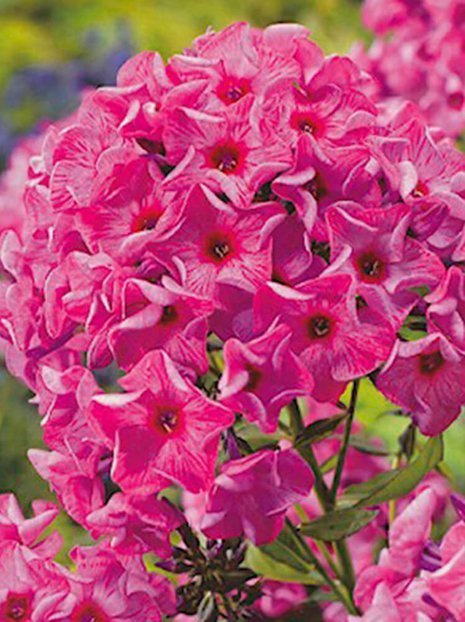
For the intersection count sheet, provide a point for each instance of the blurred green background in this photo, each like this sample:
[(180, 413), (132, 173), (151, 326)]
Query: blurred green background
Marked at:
[(49, 50)]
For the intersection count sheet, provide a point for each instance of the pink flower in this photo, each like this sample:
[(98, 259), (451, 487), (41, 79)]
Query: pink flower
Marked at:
[(161, 316), (238, 61), (446, 313), (162, 431), (262, 376), (317, 179), (106, 588), (31, 589), (330, 114), (400, 564), (123, 223), (62, 396), (279, 598), (251, 495), (334, 340), (74, 477), (138, 524), (227, 152), (426, 378), (372, 245), (293, 262), (383, 607), (15, 528), (220, 245), (445, 586)]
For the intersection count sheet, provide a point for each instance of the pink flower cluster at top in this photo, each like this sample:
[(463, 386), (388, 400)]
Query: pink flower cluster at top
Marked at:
[(417, 55), (246, 196)]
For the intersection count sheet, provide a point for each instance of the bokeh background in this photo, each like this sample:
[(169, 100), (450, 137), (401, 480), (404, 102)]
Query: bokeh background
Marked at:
[(50, 50)]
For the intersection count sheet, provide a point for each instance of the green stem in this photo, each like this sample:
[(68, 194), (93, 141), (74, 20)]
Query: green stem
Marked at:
[(338, 589), (345, 443), (343, 592), (345, 562), (322, 547), (308, 455)]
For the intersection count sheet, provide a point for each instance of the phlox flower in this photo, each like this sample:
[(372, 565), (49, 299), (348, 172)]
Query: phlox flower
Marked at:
[(163, 430), (251, 495)]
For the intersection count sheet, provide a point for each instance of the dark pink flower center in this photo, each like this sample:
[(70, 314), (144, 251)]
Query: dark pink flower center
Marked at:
[(146, 219), (455, 101), (319, 326), (371, 267), (306, 123), (169, 315), (88, 612), (17, 607), (167, 420), (316, 187), (226, 158), (219, 247), (152, 146), (233, 89), (420, 190), (430, 363), (255, 376)]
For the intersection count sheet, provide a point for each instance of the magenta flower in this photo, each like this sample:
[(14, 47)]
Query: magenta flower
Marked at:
[(227, 152), (238, 61), (432, 389), (293, 262), (247, 224), (251, 495), (15, 528), (220, 245), (31, 589), (262, 376), (162, 431), (73, 477), (336, 342), (446, 313), (372, 245), (106, 588), (161, 316), (400, 563), (138, 524), (315, 181)]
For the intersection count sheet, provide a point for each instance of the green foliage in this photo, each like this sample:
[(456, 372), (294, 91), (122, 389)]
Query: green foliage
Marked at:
[(398, 482), (319, 430), (285, 559), (338, 524)]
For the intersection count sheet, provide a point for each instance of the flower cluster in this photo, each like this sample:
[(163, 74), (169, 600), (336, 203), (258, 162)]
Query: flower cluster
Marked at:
[(417, 55), (197, 249), (103, 587), (417, 577)]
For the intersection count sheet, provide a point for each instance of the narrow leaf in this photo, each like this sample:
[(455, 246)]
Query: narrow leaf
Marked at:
[(365, 447), (264, 565), (319, 430), (338, 524), (396, 483)]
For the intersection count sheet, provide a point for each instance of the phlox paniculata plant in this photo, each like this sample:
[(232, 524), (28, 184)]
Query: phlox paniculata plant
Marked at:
[(417, 54), (201, 269)]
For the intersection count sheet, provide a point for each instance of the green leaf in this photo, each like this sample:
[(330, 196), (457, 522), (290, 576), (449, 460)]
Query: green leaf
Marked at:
[(329, 465), (365, 447), (338, 524), (396, 483), (286, 559), (265, 566), (319, 430)]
